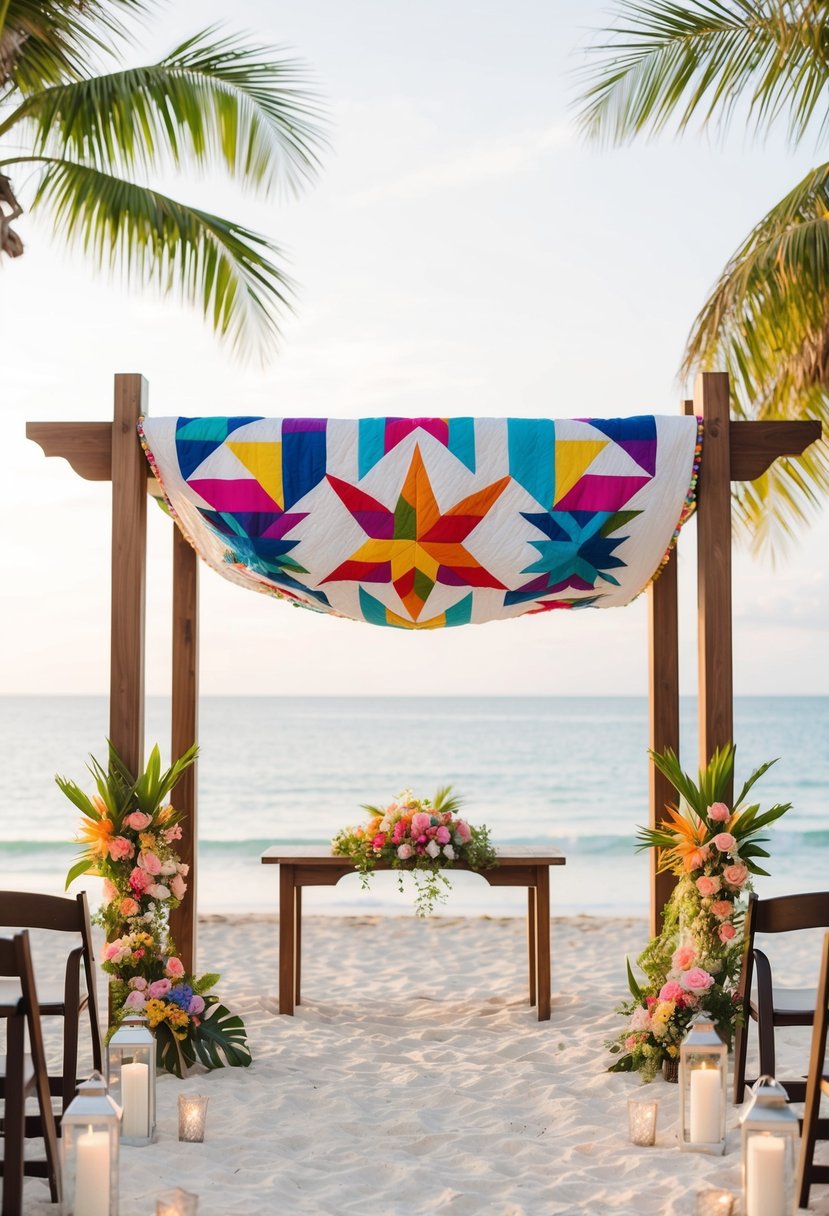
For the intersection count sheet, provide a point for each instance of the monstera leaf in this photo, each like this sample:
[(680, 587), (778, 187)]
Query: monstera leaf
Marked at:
[(171, 1055), (220, 1033)]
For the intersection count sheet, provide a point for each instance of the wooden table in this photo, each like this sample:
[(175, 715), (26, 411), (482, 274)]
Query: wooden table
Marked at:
[(303, 866)]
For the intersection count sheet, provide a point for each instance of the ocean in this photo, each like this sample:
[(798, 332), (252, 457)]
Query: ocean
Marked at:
[(537, 770)]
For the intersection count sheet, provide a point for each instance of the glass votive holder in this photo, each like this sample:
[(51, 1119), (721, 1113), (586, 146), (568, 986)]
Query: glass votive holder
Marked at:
[(642, 1120), (711, 1202), (192, 1112), (177, 1203)]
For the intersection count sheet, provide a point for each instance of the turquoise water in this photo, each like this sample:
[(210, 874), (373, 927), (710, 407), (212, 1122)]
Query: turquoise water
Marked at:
[(569, 771)]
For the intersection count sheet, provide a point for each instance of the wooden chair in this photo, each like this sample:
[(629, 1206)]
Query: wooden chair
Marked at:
[(24, 910), (773, 1006), (21, 1075), (815, 1128)]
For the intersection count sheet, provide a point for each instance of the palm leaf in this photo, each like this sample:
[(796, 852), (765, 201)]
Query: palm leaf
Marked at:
[(444, 800), (80, 867), (153, 240), (171, 1053), (210, 102), (755, 776), (59, 39)]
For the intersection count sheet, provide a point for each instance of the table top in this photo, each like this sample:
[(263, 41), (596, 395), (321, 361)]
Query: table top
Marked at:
[(320, 854)]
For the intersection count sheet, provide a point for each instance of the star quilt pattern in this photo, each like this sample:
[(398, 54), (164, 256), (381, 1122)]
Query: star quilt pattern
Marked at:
[(423, 523)]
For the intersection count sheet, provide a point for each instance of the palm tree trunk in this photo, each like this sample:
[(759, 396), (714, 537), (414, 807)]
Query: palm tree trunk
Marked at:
[(10, 209)]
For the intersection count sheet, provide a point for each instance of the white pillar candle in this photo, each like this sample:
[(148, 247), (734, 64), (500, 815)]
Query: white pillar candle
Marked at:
[(766, 1176), (706, 1105), (135, 1099), (92, 1174)]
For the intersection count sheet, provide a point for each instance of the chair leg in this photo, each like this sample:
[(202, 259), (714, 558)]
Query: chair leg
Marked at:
[(14, 1120), (740, 1050)]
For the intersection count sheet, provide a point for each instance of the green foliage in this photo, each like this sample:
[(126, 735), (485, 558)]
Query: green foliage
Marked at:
[(761, 63), (85, 142)]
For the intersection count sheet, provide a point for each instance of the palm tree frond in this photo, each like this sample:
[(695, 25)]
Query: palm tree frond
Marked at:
[(219, 266)]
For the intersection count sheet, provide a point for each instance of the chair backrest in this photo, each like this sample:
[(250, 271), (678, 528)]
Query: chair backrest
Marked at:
[(16, 960), (786, 913), (30, 910)]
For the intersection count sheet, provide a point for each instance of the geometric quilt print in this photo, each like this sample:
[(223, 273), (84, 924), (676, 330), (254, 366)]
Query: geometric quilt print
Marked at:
[(423, 523)]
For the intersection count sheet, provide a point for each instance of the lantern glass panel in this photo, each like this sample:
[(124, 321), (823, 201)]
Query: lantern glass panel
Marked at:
[(770, 1139), (131, 1072), (89, 1147), (703, 1065)]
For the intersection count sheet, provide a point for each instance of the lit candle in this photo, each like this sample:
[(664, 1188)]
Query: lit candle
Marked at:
[(766, 1176), (706, 1105), (92, 1175), (135, 1099)]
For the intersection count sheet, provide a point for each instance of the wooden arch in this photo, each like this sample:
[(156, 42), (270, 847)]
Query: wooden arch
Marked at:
[(104, 451)]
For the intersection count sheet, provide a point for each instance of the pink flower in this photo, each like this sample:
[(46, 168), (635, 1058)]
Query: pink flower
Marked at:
[(140, 880), (138, 821), (378, 841), (442, 835), (110, 951), (184, 869), (719, 812), (159, 988), (683, 957), (462, 829), (110, 891), (725, 842), (134, 1000), (697, 980), (175, 968), (129, 907), (196, 1004), (159, 891), (149, 862), (138, 982), (631, 1041), (178, 887), (641, 1019), (726, 931), (672, 991), (404, 851), (735, 875), (173, 833), (707, 886), (420, 822), (119, 848), (721, 908)]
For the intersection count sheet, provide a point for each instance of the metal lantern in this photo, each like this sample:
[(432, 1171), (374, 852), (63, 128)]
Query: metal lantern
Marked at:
[(770, 1134), (89, 1151), (131, 1073), (703, 1068)]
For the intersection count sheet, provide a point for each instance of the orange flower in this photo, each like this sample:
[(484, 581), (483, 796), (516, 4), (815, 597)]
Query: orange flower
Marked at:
[(96, 835), (690, 833)]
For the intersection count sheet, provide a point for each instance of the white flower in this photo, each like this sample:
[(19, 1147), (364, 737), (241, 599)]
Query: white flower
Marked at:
[(159, 891), (169, 867), (449, 852), (433, 848)]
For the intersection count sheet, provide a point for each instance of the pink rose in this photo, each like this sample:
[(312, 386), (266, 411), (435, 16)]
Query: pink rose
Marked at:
[(173, 833), (672, 991), (158, 891), (178, 887), (110, 950), (110, 891), (175, 968), (442, 835), (184, 869), (697, 980), (735, 875), (159, 988), (138, 821), (463, 830), (721, 908), (420, 822), (196, 1004), (134, 1000), (378, 841), (641, 1019), (707, 886), (149, 862), (631, 1041), (719, 812), (119, 848), (140, 880), (726, 931), (683, 957), (404, 852), (129, 907), (725, 842), (138, 982)]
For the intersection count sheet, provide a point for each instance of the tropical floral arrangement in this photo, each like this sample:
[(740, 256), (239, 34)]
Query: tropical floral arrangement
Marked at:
[(423, 836), (128, 832), (695, 961)]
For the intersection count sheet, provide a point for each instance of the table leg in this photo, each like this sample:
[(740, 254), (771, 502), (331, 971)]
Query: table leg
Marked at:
[(14, 1119), (287, 938), (531, 947), (542, 930), (298, 940)]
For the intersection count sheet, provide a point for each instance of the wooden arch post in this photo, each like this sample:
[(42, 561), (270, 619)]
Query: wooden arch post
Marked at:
[(102, 451)]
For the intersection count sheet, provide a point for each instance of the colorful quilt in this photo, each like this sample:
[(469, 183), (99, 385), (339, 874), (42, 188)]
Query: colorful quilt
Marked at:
[(419, 523)]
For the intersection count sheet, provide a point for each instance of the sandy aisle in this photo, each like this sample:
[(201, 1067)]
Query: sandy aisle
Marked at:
[(415, 1079)]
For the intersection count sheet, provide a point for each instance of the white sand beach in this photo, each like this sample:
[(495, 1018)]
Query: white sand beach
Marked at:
[(415, 1079)]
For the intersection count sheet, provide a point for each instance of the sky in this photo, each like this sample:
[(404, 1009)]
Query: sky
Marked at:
[(463, 251)]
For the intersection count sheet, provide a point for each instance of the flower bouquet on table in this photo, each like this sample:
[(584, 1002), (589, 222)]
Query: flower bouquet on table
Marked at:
[(695, 961), (129, 831), (423, 836)]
